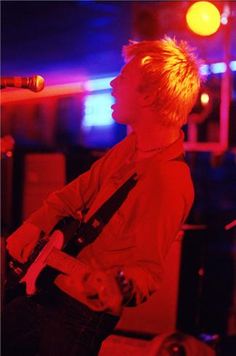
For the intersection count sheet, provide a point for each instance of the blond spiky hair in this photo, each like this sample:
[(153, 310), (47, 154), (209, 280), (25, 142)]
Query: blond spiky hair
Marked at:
[(170, 70)]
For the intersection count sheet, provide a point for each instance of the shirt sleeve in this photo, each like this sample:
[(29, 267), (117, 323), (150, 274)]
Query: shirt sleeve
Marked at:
[(162, 208), (68, 201)]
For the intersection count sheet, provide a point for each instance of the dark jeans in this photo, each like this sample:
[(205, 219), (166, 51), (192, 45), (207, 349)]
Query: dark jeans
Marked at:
[(53, 324)]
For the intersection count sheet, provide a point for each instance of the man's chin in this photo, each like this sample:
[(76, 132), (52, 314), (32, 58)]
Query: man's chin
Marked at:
[(115, 116), (118, 118)]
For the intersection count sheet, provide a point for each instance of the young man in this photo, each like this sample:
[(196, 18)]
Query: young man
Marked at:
[(154, 94)]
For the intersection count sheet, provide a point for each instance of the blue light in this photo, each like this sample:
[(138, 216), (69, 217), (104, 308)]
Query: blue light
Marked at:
[(218, 67), (98, 84), (233, 65), (204, 69), (98, 110)]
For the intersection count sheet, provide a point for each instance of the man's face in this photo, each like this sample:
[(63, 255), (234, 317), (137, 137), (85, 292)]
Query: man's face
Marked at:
[(126, 94)]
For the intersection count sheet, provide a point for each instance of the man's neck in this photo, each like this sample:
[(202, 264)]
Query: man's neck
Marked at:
[(154, 138)]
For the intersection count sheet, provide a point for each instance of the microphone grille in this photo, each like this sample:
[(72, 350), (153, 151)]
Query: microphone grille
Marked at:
[(36, 83)]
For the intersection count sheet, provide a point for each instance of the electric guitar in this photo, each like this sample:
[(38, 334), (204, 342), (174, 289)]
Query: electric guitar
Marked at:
[(52, 255)]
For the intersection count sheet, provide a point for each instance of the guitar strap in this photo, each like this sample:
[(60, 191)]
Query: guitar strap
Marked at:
[(82, 234), (90, 230), (78, 235)]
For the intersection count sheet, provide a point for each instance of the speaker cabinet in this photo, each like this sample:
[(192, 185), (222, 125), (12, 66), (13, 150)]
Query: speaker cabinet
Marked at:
[(43, 174)]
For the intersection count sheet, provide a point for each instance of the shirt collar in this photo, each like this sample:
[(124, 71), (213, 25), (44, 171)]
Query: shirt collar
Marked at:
[(170, 152)]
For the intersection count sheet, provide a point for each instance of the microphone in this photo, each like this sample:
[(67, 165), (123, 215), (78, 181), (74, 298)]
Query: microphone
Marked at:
[(35, 83)]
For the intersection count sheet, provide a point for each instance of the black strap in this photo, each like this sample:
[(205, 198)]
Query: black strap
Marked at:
[(82, 234), (78, 235), (103, 215)]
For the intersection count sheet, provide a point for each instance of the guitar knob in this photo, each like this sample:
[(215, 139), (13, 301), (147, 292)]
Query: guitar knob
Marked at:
[(80, 240)]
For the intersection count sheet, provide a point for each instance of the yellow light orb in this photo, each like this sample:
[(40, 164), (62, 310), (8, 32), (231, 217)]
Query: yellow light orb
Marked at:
[(203, 18), (204, 99)]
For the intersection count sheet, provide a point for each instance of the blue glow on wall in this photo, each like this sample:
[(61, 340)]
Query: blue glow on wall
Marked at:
[(98, 110), (233, 65), (204, 69), (218, 67), (98, 84)]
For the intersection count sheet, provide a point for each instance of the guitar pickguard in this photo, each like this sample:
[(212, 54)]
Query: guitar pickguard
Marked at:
[(56, 241)]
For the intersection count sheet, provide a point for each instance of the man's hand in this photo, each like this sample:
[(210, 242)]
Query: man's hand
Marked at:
[(21, 243), (97, 289), (101, 288)]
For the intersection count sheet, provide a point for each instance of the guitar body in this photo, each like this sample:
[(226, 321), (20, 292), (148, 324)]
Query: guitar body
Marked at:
[(35, 274)]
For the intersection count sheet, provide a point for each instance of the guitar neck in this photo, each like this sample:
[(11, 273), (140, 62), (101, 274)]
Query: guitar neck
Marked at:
[(64, 263)]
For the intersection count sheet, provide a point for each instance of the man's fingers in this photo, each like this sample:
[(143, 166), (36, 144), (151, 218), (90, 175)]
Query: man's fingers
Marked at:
[(26, 251), (22, 241), (102, 291)]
